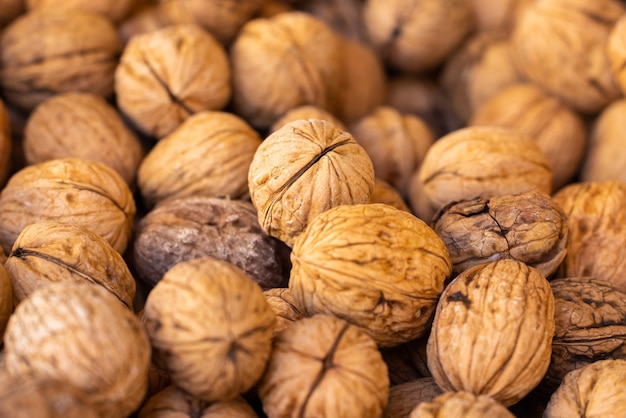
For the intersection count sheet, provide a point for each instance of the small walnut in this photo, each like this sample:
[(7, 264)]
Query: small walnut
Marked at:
[(306, 112), (79, 333), (492, 331), (81, 55), (303, 169), (528, 227), (461, 405), (167, 75), (375, 266), (6, 298), (403, 398), (71, 190), (82, 125), (5, 143), (9, 10), (283, 305), (210, 328), (385, 193), (407, 361), (596, 390), (324, 367), (112, 10), (209, 154)]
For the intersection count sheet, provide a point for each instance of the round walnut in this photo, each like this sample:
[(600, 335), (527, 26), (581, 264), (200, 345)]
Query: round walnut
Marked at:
[(528, 227), (461, 405), (167, 75), (6, 299), (5, 143), (303, 169), (82, 125), (209, 154), (375, 266), (195, 227), (561, 45), (283, 305), (49, 252), (306, 112), (492, 331), (112, 10), (403, 398), (417, 36), (80, 55), (617, 51), (210, 328), (80, 334), (9, 10), (596, 390), (324, 367), (385, 193), (71, 190), (558, 131)]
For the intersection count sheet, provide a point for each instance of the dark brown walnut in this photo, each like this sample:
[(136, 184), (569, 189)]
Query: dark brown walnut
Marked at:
[(49, 252), (281, 302), (195, 227), (596, 213), (375, 266), (590, 325), (6, 297), (324, 367), (403, 398), (558, 130), (385, 193), (80, 334), (82, 125), (492, 332), (303, 169), (343, 16), (112, 10), (595, 390), (461, 405), (146, 18), (5, 143), (417, 36), (561, 45), (9, 10), (209, 154), (82, 57), (306, 112), (529, 227), (70, 190), (407, 361), (617, 51), (210, 328)]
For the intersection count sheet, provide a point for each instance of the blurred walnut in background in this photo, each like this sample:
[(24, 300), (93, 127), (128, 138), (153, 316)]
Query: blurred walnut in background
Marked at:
[(112, 10), (461, 405)]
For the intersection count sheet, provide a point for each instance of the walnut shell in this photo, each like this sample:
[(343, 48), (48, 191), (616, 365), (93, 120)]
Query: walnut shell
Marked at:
[(209, 154), (375, 266), (80, 55), (49, 252), (210, 328), (6, 298), (82, 125), (403, 398), (385, 193), (167, 75), (461, 405), (492, 331), (71, 190), (81, 334), (283, 305), (5, 143), (304, 169), (528, 227), (324, 367), (112, 10)]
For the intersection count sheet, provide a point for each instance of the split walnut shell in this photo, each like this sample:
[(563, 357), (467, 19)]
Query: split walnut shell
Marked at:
[(492, 332), (5, 143), (461, 405), (303, 169)]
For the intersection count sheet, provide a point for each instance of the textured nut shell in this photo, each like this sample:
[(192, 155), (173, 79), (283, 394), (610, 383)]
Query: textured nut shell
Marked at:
[(81, 334), (596, 390), (304, 169), (558, 131), (210, 328), (324, 367), (209, 154), (112, 10), (528, 227), (283, 305), (492, 331), (403, 398), (49, 252), (10, 9), (375, 266), (6, 298), (71, 190), (79, 54), (165, 76), (385, 193), (306, 112), (616, 48), (82, 125), (461, 405), (5, 143)]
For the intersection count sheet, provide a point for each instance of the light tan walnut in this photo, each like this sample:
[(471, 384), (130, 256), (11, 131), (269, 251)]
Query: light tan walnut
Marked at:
[(405, 397), (461, 405)]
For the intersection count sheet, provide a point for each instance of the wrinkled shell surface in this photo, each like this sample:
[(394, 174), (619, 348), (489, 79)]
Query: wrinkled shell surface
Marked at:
[(461, 405), (5, 143), (113, 10), (403, 398), (283, 305)]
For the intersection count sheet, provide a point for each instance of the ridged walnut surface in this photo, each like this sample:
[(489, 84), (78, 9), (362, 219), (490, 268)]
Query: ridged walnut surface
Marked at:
[(461, 405)]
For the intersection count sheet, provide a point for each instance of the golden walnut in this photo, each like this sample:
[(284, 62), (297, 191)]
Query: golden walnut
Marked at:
[(461, 405)]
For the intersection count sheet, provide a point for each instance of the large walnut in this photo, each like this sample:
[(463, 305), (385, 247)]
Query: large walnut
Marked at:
[(5, 143), (375, 266), (403, 398), (281, 302), (492, 331), (113, 10), (461, 405)]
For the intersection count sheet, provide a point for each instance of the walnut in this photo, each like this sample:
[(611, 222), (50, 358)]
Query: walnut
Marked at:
[(324, 367), (559, 131), (492, 331), (461, 405), (403, 398), (49, 252), (596, 390), (112, 10), (6, 298), (72, 190), (209, 154), (210, 328), (617, 51), (561, 46), (305, 168), (5, 143), (81, 334), (407, 361), (82, 125), (9, 10), (167, 75), (283, 305), (385, 193), (375, 266), (529, 227), (81, 56), (195, 227), (417, 36)]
